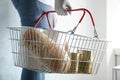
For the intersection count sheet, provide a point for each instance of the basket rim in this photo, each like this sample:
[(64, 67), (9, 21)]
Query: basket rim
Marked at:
[(16, 28)]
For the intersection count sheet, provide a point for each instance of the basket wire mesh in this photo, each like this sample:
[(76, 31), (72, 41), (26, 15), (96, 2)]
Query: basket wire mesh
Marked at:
[(58, 52), (92, 49)]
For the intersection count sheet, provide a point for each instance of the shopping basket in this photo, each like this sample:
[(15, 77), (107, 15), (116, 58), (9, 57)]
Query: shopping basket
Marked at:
[(56, 51)]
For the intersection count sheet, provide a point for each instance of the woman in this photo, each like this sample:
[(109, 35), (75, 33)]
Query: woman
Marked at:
[(29, 11)]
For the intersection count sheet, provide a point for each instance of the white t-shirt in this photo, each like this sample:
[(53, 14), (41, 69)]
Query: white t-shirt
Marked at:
[(48, 2)]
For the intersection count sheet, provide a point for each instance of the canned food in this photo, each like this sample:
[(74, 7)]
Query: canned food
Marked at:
[(81, 62), (84, 61)]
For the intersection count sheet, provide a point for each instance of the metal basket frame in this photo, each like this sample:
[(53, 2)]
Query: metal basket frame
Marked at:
[(24, 58)]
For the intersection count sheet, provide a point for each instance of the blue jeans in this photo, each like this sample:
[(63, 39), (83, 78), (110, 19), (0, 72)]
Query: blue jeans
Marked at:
[(29, 11)]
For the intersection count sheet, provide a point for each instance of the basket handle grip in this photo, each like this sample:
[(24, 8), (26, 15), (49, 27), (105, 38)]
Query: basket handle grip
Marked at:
[(79, 9)]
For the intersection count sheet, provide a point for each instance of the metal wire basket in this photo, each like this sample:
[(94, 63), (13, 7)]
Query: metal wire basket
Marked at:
[(56, 51)]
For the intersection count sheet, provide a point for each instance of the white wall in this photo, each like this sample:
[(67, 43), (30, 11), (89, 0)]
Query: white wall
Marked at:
[(113, 18), (9, 17)]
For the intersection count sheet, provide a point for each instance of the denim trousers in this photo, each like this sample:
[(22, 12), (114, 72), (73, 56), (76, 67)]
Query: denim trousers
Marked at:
[(29, 11)]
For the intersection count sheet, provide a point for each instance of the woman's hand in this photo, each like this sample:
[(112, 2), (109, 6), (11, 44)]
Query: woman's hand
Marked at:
[(61, 7)]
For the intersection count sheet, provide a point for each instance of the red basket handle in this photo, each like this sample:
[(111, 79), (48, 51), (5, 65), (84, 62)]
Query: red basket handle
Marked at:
[(79, 9)]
